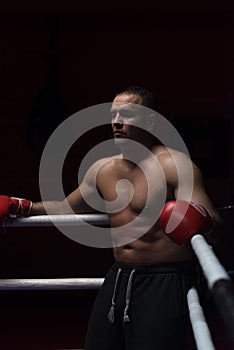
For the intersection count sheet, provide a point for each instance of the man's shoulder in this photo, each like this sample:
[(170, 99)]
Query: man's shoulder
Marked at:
[(166, 154), (100, 169), (108, 163), (172, 161)]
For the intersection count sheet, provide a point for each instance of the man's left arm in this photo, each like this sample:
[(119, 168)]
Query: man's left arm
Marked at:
[(192, 199)]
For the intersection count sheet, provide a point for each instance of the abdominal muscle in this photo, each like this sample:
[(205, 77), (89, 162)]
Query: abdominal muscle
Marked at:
[(153, 247)]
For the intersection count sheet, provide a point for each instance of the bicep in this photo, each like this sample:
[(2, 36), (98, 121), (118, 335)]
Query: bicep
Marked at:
[(77, 202), (197, 192), (192, 189), (185, 180), (86, 198)]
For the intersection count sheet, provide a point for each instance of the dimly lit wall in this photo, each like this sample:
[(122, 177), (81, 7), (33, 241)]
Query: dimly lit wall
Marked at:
[(76, 55)]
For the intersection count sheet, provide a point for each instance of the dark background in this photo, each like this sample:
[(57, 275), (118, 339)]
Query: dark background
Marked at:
[(59, 57)]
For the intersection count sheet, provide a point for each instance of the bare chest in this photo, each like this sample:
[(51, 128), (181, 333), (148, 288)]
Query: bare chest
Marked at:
[(133, 188)]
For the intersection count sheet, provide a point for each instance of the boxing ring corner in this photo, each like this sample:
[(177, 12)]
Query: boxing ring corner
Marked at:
[(219, 283)]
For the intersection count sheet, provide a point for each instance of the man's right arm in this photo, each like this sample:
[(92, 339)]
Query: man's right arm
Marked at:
[(76, 202)]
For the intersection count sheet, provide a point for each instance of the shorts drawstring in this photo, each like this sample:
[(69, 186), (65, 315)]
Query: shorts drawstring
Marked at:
[(128, 297), (111, 314)]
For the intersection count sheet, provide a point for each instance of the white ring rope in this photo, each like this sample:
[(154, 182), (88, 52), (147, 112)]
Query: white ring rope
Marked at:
[(200, 328), (63, 220), (51, 284), (212, 268)]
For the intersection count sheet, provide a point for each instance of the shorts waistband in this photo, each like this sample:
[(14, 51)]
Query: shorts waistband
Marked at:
[(178, 266)]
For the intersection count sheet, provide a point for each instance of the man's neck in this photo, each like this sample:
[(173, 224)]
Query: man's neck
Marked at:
[(138, 154)]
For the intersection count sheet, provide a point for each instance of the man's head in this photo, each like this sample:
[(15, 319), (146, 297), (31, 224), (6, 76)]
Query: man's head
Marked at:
[(145, 97), (132, 115)]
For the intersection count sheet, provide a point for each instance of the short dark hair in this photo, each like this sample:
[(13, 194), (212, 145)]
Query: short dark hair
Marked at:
[(148, 98)]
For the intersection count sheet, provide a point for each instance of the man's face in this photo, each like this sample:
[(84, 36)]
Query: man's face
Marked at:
[(126, 115)]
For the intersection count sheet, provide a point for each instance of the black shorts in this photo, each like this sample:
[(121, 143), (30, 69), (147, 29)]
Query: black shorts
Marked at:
[(142, 307)]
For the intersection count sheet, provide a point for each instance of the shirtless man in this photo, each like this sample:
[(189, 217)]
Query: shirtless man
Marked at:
[(142, 304)]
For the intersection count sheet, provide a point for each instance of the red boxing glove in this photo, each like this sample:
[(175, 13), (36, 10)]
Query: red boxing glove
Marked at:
[(181, 220), (14, 206)]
